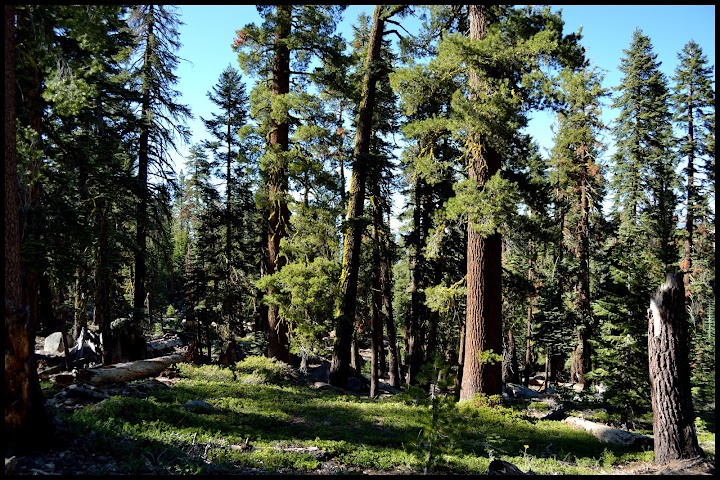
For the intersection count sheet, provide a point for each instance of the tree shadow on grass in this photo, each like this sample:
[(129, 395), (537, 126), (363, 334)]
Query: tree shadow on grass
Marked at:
[(356, 430)]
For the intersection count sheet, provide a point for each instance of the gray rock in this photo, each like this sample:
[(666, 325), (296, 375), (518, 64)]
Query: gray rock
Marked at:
[(54, 343), (520, 391), (320, 373), (501, 467), (355, 385)]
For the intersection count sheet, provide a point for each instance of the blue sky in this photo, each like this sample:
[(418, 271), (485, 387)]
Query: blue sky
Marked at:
[(607, 30)]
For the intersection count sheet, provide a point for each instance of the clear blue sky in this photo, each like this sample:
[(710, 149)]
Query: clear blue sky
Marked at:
[(607, 30)]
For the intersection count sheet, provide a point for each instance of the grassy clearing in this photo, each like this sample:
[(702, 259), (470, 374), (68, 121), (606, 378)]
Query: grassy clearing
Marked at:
[(293, 428)]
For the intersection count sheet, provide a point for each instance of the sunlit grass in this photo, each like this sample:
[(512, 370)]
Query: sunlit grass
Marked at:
[(356, 433)]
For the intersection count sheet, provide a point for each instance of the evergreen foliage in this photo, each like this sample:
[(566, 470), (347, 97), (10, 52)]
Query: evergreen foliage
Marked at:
[(283, 221)]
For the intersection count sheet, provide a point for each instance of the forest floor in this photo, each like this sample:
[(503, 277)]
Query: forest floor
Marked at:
[(261, 417)]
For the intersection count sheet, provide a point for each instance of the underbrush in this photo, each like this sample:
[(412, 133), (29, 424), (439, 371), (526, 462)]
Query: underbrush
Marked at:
[(260, 421)]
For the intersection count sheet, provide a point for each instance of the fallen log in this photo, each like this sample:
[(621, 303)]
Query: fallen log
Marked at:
[(125, 372), (164, 344), (611, 435)]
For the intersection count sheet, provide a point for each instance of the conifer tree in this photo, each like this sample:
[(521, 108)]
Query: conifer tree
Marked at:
[(22, 398), (229, 96), (639, 241), (694, 112), (643, 171), (161, 126), (279, 52), (577, 151)]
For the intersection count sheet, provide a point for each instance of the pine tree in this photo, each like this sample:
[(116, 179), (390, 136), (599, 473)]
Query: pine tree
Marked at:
[(490, 136), (694, 113), (282, 46), (160, 127), (643, 172), (229, 96), (576, 153), (693, 101)]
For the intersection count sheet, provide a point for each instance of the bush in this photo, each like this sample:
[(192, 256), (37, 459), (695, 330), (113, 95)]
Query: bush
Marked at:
[(262, 369)]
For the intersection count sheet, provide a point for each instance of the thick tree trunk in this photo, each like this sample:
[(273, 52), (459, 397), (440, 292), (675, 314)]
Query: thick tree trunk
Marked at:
[(339, 368), (585, 331), (483, 327), (668, 353), (278, 341), (25, 413)]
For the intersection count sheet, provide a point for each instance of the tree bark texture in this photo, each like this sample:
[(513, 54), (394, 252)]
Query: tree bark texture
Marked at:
[(483, 327), (339, 369), (668, 352), (585, 331), (278, 340), (25, 413), (125, 372), (510, 372)]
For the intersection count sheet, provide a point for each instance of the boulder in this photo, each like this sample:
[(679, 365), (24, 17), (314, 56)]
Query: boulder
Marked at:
[(54, 343), (501, 467), (520, 391)]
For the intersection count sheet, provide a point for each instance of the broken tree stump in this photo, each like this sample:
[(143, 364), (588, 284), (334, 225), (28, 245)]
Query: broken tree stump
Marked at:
[(669, 362), (124, 372)]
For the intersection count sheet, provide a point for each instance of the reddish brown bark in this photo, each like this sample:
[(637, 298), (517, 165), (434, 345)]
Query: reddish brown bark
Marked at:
[(278, 341), (25, 413), (583, 355), (483, 327), (668, 353)]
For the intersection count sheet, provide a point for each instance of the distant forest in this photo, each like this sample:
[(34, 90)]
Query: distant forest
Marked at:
[(508, 260)]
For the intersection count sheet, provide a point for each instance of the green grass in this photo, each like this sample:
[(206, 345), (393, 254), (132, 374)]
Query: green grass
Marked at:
[(356, 433)]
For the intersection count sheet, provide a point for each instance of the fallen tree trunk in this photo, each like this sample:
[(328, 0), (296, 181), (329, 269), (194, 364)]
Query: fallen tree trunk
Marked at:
[(164, 344), (611, 435), (124, 372)]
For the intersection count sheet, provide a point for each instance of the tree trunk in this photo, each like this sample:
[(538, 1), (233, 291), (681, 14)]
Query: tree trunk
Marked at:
[(33, 260), (510, 372), (585, 331), (418, 310), (339, 368), (25, 413), (376, 327), (668, 353), (103, 283), (386, 274), (483, 327), (278, 341), (138, 351), (528, 334)]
